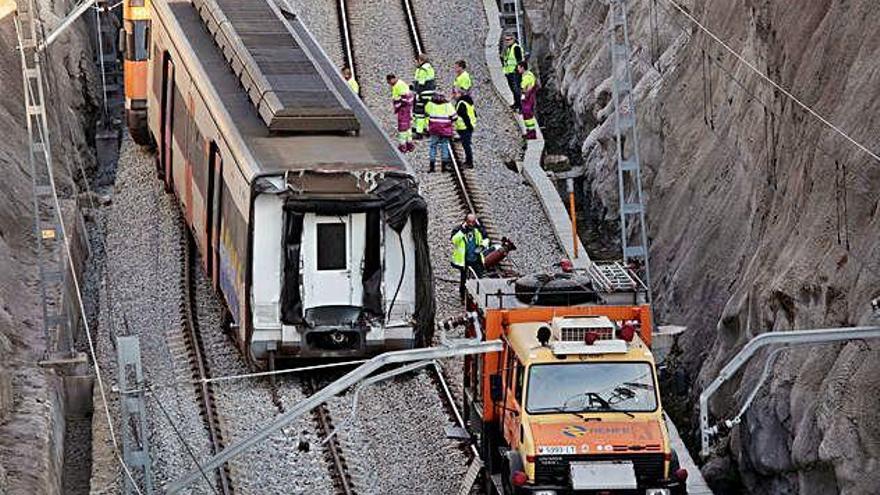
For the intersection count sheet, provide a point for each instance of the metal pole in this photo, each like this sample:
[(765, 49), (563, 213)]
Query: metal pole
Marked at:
[(571, 211), (794, 337), (519, 30), (326, 393), (66, 22)]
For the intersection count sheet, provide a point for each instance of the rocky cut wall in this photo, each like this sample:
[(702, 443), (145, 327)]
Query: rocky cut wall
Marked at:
[(760, 217), (31, 418)]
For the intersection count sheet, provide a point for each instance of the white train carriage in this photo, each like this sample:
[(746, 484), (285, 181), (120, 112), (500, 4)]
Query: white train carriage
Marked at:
[(308, 221)]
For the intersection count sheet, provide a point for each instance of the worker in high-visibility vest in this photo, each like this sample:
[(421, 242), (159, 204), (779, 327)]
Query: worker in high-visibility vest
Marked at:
[(352, 84), (424, 86), (402, 99), (464, 126), (441, 127), (469, 241), (512, 55), (529, 86), (462, 83)]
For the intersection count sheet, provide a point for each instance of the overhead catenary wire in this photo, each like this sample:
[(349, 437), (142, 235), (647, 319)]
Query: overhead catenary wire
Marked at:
[(804, 140), (773, 83)]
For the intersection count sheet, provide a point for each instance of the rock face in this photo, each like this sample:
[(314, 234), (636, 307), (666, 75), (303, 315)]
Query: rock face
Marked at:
[(29, 400), (760, 217)]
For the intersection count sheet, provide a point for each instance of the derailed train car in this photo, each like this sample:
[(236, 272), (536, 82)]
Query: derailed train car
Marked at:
[(308, 221)]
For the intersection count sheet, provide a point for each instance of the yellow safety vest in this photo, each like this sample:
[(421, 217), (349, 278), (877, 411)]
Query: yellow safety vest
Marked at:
[(463, 82), (528, 81), (459, 243), (354, 86), (472, 115), (510, 60)]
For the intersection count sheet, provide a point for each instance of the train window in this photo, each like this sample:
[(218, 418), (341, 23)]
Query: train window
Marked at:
[(136, 3), (332, 246), (137, 46)]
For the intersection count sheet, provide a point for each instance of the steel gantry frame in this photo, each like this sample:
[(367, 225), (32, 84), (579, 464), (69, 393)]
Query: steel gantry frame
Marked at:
[(629, 176), (786, 339)]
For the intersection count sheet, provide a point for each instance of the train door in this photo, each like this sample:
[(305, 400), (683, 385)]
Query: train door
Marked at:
[(167, 126), (333, 255), (213, 212)]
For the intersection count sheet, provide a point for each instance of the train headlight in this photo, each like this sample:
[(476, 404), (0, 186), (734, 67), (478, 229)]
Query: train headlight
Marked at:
[(657, 491), (544, 492)]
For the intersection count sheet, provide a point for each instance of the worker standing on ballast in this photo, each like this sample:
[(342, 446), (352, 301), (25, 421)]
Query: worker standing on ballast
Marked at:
[(469, 240), (462, 83), (529, 88), (510, 58), (352, 83), (441, 127), (467, 121), (424, 86), (402, 99)]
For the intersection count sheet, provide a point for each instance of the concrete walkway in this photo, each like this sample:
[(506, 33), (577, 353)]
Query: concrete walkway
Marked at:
[(554, 208)]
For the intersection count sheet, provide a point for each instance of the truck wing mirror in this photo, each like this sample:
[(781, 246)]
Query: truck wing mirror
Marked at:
[(496, 390)]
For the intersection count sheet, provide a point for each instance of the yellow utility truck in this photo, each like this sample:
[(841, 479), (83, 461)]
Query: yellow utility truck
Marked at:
[(571, 405)]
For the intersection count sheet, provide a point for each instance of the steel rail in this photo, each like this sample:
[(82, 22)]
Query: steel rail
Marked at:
[(333, 448), (203, 389), (345, 32), (338, 386)]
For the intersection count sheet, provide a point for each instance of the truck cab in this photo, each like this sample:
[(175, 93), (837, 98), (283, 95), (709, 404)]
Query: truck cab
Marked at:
[(571, 405)]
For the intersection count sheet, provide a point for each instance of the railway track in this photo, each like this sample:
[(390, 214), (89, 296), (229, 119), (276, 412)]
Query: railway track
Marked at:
[(468, 191), (196, 356), (467, 194)]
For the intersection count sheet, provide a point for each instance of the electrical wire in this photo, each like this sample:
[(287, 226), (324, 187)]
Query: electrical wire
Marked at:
[(773, 83), (751, 96)]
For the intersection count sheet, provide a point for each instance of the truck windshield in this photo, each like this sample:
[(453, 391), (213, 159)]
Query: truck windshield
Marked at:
[(590, 387)]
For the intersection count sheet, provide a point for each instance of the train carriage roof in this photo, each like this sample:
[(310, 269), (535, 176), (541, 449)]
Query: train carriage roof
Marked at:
[(271, 151)]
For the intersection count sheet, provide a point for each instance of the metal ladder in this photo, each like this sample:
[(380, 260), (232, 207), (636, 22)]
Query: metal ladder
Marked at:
[(47, 229), (617, 276), (629, 177)]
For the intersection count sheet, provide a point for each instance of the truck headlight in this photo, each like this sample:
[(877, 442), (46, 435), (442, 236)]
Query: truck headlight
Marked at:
[(657, 491), (544, 492)]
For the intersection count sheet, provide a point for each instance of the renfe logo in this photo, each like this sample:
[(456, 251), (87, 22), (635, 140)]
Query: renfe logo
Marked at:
[(574, 431)]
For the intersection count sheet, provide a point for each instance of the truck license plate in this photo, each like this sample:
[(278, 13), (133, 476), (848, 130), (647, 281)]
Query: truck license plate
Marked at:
[(603, 476)]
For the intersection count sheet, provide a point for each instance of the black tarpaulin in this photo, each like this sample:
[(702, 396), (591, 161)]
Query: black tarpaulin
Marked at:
[(291, 299)]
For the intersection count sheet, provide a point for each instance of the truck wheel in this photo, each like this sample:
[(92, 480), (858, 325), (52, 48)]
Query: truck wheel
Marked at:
[(561, 289)]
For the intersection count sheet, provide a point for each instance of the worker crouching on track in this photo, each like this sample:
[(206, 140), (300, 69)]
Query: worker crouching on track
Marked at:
[(529, 88), (424, 86), (441, 125), (402, 98), (469, 240), (465, 124)]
